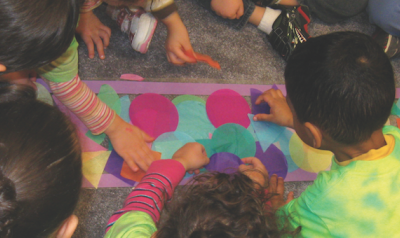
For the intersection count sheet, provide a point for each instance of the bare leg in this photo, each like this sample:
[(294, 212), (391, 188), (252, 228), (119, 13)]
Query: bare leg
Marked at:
[(289, 2), (257, 15)]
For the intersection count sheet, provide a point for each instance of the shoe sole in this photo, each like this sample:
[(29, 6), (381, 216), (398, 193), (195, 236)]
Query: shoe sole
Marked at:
[(142, 44)]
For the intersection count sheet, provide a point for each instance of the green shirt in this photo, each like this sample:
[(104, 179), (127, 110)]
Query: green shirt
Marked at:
[(360, 199), (64, 68), (134, 224)]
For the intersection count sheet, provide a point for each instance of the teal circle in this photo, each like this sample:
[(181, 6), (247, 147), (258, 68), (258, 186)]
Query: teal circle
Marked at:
[(168, 143), (193, 120), (235, 139)]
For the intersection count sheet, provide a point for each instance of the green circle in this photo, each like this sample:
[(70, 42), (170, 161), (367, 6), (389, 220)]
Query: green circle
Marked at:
[(182, 98), (235, 139)]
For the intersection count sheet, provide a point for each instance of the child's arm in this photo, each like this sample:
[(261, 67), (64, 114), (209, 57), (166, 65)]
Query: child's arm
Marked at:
[(128, 141), (178, 37), (92, 31), (143, 205), (280, 112)]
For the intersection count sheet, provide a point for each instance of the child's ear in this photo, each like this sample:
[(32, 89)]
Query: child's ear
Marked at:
[(315, 134), (2, 68), (68, 227)]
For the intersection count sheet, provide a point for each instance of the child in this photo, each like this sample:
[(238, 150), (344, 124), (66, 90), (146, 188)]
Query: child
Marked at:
[(142, 27), (286, 26), (340, 90), (213, 205), (40, 167), (28, 43)]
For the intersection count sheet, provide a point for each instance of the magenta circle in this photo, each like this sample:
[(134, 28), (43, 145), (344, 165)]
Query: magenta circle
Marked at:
[(227, 106), (154, 114)]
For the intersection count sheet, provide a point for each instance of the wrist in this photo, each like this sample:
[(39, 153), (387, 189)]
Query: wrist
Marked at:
[(172, 20), (182, 161), (114, 125)]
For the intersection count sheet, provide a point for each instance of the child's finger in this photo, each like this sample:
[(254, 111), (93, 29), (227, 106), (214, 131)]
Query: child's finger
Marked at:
[(181, 55), (107, 30), (141, 159), (89, 43), (263, 117), (290, 197), (272, 183), (105, 37), (132, 165), (253, 161), (146, 137), (174, 59), (99, 45), (280, 186), (244, 167)]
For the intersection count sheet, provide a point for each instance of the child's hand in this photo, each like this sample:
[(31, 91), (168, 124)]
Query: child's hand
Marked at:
[(192, 156), (178, 41), (92, 31), (256, 171), (277, 186), (280, 111), (231, 9), (27, 77), (130, 143)]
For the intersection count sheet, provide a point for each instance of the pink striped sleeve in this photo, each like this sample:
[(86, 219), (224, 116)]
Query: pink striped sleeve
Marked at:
[(156, 187), (78, 97)]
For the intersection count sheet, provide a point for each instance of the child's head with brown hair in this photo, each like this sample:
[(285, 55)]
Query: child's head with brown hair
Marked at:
[(35, 32), (220, 205), (40, 167)]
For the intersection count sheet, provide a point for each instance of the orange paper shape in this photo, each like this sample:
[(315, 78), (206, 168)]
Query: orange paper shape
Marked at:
[(127, 172), (203, 58), (398, 122)]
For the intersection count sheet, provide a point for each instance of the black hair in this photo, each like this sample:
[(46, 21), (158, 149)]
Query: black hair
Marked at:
[(40, 165), (35, 32), (343, 83), (220, 205)]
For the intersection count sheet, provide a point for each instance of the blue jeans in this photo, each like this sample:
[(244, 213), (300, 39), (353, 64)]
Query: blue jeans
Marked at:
[(386, 15), (237, 24)]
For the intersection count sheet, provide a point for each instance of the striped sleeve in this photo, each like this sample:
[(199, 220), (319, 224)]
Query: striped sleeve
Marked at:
[(77, 97), (156, 187)]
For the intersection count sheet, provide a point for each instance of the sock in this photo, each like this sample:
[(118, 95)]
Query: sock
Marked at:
[(268, 19)]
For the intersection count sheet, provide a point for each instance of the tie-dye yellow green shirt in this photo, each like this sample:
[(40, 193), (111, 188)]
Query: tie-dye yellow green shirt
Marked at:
[(358, 198)]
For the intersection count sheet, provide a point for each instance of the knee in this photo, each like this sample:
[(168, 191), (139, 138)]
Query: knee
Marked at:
[(385, 14)]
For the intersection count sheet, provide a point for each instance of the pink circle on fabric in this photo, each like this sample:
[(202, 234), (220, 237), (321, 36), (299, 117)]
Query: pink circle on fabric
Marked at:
[(227, 106), (154, 114)]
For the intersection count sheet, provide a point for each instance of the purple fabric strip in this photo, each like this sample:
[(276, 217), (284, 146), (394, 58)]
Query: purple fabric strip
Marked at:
[(130, 87)]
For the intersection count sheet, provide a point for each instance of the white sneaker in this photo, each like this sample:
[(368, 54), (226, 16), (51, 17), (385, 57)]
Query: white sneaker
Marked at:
[(141, 31)]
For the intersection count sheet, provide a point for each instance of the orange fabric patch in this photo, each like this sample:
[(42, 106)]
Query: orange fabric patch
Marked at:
[(127, 172)]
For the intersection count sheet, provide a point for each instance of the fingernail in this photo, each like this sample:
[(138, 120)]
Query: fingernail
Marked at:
[(254, 118)]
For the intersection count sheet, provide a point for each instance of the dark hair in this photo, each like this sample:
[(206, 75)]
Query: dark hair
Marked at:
[(343, 83), (40, 165), (219, 205), (35, 32)]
